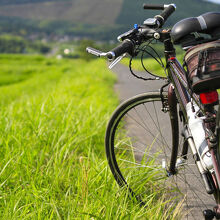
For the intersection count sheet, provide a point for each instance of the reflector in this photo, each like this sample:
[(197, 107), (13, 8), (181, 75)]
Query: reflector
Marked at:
[(209, 97)]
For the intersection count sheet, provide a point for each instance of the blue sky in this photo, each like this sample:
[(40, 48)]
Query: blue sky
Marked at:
[(215, 1)]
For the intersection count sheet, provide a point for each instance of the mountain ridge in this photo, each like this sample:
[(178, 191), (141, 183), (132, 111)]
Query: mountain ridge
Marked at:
[(99, 19), (186, 8)]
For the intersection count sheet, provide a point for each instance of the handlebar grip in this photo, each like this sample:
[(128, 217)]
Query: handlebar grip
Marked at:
[(127, 46), (166, 13), (153, 7)]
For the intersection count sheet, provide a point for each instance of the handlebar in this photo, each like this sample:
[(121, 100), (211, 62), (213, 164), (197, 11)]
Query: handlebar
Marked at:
[(138, 35), (127, 46), (165, 14), (154, 7)]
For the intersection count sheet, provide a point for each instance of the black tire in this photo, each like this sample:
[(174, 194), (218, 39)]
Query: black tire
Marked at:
[(138, 148)]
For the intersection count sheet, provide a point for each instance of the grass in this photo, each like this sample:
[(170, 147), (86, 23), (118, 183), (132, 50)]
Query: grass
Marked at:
[(53, 115)]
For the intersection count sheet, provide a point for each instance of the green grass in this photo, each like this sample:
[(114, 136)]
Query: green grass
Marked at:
[(53, 115)]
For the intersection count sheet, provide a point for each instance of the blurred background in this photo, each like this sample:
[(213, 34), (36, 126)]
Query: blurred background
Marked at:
[(58, 26), (54, 107)]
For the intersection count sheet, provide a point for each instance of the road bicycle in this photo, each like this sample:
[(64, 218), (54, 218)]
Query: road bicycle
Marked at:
[(171, 136)]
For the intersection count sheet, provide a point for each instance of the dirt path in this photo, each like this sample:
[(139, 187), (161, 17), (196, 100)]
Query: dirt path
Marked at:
[(128, 86)]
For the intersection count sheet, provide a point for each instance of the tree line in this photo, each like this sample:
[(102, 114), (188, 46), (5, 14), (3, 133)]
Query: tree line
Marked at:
[(14, 44)]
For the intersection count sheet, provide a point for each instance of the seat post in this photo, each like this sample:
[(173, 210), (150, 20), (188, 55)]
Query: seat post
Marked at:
[(169, 49)]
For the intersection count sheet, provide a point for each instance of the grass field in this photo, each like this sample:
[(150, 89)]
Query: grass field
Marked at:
[(53, 115)]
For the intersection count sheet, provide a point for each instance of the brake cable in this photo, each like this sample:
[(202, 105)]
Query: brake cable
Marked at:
[(143, 51)]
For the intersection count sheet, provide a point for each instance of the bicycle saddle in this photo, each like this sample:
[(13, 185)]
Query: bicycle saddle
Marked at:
[(206, 23)]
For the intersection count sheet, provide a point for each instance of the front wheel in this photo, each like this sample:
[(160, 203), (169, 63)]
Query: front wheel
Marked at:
[(139, 146)]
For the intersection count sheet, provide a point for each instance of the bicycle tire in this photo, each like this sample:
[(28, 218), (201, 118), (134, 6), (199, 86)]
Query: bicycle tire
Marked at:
[(133, 166)]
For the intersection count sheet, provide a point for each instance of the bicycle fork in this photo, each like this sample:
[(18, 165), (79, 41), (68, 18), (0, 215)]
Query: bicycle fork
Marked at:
[(204, 173), (207, 165), (177, 162)]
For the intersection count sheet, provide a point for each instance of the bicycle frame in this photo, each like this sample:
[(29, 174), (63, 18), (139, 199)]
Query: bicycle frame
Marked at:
[(178, 90), (200, 128)]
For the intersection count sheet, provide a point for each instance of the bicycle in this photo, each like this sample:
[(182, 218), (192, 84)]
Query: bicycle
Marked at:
[(137, 143)]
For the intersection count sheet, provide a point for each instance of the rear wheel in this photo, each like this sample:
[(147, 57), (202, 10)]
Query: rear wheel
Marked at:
[(139, 147)]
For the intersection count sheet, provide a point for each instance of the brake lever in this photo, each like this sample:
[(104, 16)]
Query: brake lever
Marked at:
[(117, 60)]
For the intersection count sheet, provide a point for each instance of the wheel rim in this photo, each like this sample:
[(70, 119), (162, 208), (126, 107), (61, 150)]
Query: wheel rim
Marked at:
[(138, 146)]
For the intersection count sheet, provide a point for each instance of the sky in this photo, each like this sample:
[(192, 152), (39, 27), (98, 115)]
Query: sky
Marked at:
[(214, 1)]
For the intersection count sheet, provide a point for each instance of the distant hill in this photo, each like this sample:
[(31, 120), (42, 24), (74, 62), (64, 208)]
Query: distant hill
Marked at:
[(94, 18), (132, 10), (74, 11), (16, 2)]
